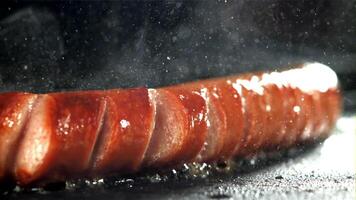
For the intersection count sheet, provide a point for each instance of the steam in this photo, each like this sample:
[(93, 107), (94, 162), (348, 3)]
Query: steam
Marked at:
[(98, 45)]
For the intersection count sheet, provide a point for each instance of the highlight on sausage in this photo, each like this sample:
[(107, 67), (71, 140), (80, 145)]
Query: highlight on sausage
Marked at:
[(59, 136)]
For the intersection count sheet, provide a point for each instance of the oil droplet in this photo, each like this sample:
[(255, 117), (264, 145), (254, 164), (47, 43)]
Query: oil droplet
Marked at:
[(296, 109), (8, 122), (124, 123), (268, 108)]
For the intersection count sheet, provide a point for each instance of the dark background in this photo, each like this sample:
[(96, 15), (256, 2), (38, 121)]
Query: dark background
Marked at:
[(68, 45)]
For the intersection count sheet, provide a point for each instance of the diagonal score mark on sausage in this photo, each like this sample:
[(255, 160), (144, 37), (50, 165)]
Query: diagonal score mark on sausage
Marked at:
[(14, 111), (126, 132)]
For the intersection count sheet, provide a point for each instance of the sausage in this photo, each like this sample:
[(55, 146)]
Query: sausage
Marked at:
[(170, 130), (195, 107), (254, 112), (59, 136), (273, 95), (14, 108), (231, 103), (124, 136), (214, 118)]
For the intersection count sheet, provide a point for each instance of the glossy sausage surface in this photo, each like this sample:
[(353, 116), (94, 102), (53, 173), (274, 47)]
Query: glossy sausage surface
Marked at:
[(59, 136)]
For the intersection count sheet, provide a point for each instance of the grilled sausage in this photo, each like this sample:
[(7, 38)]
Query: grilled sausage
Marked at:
[(14, 108), (60, 136), (126, 132)]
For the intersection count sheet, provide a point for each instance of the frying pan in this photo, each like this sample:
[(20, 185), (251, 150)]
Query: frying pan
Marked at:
[(75, 45)]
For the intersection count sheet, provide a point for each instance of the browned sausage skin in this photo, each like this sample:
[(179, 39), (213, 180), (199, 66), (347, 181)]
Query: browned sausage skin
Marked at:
[(59, 136), (14, 111), (124, 136)]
